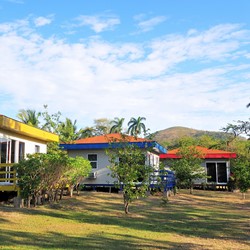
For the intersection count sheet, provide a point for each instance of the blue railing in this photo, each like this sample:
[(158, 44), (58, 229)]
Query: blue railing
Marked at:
[(163, 179)]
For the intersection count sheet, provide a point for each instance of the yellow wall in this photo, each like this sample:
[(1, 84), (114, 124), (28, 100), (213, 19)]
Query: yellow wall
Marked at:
[(12, 125)]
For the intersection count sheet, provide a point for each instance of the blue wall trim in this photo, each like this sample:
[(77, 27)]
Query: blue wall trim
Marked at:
[(113, 145)]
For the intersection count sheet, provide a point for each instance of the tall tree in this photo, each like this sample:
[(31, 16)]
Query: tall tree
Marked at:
[(240, 167), (188, 168), (240, 128), (51, 121), (68, 131), (102, 126), (117, 124), (29, 116), (129, 168), (136, 126), (87, 132)]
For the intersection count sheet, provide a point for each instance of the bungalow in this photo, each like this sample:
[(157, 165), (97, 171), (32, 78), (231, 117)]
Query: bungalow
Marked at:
[(94, 149), (16, 141), (216, 163)]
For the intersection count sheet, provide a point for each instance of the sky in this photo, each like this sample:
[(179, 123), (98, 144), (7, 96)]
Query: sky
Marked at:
[(174, 62)]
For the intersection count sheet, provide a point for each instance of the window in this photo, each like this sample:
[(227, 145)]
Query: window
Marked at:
[(21, 151), (93, 160), (211, 172), (13, 150), (37, 149), (3, 150), (222, 172), (217, 172)]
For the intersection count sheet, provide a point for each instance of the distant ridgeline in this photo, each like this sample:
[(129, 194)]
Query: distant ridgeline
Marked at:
[(174, 133)]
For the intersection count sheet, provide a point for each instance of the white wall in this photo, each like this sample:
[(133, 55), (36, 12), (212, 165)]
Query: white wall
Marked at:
[(30, 143), (102, 163), (103, 172)]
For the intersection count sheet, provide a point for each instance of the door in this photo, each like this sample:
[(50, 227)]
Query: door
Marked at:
[(222, 172), (211, 172), (217, 172)]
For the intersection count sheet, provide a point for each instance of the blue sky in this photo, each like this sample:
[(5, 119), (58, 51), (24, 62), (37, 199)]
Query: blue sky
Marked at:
[(177, 63)]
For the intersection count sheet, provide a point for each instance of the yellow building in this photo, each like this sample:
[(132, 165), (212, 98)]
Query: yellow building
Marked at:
[(16, 141)]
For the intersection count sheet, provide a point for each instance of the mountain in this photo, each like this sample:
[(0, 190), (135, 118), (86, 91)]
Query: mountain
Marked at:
[(174, 133)]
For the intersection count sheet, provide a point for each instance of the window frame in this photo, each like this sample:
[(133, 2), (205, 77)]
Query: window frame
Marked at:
[(37, 148), (21, 150), (93, 161), (216, 171)]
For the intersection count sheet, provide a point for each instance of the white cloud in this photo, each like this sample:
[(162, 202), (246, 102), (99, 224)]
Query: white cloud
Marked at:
[(100, 79), (20, 26), (41, 21), (215, 44), (98, 23), (147, 25)]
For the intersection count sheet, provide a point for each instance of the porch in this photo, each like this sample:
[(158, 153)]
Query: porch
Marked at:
[(8, 178)]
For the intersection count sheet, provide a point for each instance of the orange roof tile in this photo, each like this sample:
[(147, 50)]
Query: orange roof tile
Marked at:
[(115, 137)]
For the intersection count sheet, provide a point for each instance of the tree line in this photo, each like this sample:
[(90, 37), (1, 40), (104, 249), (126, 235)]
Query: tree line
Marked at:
[(240, 165), (68, 131)]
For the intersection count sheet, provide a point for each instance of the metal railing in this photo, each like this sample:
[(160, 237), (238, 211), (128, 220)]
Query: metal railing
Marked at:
[(8, 178)]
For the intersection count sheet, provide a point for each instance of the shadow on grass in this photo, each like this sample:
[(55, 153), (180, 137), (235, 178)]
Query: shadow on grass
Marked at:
[(182, 216), (3, 220), (52, 240)]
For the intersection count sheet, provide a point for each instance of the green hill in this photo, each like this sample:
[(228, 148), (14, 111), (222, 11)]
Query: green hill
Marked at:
[(175, 133)]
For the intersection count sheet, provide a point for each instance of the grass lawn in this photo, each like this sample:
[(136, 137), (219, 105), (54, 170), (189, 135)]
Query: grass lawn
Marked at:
[(94, 220)]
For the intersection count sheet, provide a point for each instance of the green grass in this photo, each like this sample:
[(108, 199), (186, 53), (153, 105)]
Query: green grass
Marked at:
[(93, 220)]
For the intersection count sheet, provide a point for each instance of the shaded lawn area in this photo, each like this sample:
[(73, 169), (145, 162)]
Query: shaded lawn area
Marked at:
[(204, 220)]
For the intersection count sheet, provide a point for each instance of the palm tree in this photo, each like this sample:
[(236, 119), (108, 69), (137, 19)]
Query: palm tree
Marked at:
[(29, 117), (117, 124), (136, 126), (68, 131), (87, 132)]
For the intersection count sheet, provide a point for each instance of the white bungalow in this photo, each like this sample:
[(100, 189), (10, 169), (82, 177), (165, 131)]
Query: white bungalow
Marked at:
[(16, 141), (94, 149), (215, 162)]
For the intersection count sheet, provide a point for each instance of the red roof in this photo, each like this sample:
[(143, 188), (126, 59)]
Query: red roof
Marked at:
[(208, 153), (115, 137)]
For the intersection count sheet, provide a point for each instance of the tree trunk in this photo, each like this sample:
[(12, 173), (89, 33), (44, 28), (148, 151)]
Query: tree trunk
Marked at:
[(244, 196), (28, 201), (175, 190), (56, 195), (51, 196), (78, 189), (39, 199), (18, 202), (191, 187), (126, 204), (71, 191), (61, 193), (35, 200), (43, 197)]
